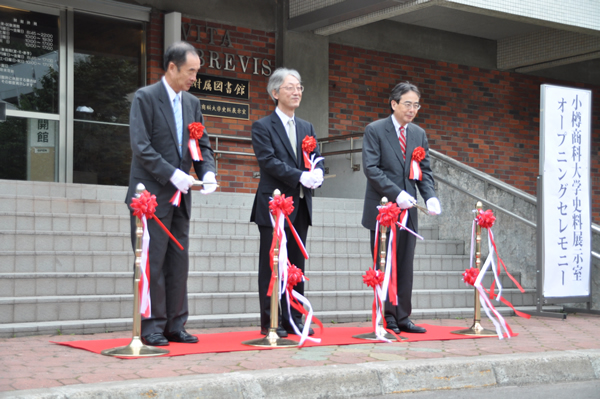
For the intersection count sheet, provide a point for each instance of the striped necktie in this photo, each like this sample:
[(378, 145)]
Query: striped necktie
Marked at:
[(402, 139)]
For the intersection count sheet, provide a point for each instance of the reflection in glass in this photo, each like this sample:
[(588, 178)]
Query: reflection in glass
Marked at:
[(29, 60), (101, 154), (29, 149), (107, 72)]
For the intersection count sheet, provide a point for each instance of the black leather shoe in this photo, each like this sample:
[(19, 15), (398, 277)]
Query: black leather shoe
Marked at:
[(411, 328), (280, 331), (181, 336), (300, 326), (392, 326), (155, 339)]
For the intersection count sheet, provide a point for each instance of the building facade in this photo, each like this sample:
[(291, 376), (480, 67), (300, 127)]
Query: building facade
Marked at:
[(70, 68)]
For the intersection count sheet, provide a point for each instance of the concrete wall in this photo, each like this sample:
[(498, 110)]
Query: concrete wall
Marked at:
[(309, 55), (397, 38), (256, 14)]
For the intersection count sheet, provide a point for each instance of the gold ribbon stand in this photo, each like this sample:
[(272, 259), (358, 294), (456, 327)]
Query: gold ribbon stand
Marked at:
[(272, 340), (136, 348), (477, 329), (379, 329)]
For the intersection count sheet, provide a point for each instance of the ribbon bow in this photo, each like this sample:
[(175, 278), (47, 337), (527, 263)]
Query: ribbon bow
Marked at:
[(196, 131), (486, 220), (144, 207), (415, 168)]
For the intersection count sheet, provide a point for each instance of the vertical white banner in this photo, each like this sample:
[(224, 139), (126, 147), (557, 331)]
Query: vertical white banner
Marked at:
[(565, 149)]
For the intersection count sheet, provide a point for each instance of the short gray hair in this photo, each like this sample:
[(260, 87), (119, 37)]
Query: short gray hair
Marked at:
[(277, 78)]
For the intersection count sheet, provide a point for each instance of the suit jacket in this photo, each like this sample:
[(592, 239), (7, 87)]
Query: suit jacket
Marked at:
[(387, 173), (155, 148), (279, 167)]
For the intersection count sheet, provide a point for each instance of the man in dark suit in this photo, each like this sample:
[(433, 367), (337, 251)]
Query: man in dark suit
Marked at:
[(159, 134), (387, 148), (277, 142)]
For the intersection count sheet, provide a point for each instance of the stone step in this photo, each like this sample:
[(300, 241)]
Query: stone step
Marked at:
[(65, 284), (122, 261), (89, 307), (59, 327)]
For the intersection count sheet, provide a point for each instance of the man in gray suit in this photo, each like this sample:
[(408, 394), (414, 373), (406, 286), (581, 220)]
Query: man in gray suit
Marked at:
[(159, 134), (277, 142), (388, 145)]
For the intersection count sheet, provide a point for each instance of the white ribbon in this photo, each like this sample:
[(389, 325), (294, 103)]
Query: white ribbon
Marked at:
[(193, 150), (498, 320), (145, 305), (314, 162)]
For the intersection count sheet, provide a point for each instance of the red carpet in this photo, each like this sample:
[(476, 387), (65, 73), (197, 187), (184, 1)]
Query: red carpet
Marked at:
[(232, 342)]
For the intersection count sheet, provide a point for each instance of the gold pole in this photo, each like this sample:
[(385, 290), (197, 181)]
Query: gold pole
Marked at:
[(136, 348), (272, 340), (477, 329), (379, 329)]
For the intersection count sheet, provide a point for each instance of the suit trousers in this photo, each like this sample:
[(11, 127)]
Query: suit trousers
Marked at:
[(169, 268), (264, 267), (405, 253)]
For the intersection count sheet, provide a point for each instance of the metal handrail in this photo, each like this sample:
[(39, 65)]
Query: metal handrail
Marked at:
[(231, 138), (472, 171)]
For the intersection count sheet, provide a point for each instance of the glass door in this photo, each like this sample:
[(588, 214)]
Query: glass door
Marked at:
[(107, 66), (29, 87)]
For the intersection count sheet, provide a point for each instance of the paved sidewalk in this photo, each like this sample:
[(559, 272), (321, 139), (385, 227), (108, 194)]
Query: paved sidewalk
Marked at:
[(33, 363)]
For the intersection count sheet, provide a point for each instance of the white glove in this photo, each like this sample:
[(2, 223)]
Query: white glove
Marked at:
[(405, 200), (319, 175), (433, 206), (210, 183), (308, 179), (182, 180)]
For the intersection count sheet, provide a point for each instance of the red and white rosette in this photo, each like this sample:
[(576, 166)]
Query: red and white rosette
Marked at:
[(280, 208), (144, 207), (374, 279), (309, 143), (486, 220), (298, 301), (388, 217), (415, 163), (196, 131)]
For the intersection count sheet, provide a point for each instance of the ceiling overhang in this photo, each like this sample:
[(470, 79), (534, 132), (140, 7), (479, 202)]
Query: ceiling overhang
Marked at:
[(527, 40)]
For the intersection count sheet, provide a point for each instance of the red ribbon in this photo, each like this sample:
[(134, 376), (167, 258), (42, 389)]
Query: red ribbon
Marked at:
[(145, 205), (296, 276), (388, 216), (417, 156), (196, 131), (470, 275), (373, 278), (282, 206), (486, 219), (308, 145)]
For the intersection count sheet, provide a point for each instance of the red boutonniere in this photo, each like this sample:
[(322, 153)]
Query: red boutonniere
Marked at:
[(196, 131), (308, 145), (418, 155)]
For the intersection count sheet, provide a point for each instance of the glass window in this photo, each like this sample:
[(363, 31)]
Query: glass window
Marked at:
[(29, 60), (107, 72), (29, 149)]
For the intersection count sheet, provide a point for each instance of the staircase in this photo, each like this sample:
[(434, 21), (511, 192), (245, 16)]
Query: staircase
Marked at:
[(66, 262)]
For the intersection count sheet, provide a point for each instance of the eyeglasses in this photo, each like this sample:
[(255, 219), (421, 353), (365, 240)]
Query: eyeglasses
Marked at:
[(293, 88), (410, 105)]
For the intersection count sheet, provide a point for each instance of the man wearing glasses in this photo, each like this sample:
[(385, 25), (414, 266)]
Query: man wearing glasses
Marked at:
[(277, 141), (388, 147)]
